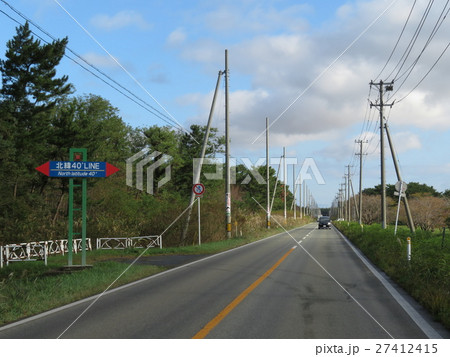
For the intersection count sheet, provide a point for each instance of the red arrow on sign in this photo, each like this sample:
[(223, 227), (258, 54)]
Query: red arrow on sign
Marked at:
[(45, 168), (110, 169)]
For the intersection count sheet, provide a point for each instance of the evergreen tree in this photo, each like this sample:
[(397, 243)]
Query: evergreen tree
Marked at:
[(29, 93), (414, 188), (257, 191), (30, 90), (183, 148), (89, 122)]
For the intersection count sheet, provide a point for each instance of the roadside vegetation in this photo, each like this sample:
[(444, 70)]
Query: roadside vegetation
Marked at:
[(426, 277)]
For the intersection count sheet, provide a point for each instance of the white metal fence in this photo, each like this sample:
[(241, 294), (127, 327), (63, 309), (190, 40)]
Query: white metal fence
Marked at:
[(23, 252), (38, 250), (136, 242), (41, 250)]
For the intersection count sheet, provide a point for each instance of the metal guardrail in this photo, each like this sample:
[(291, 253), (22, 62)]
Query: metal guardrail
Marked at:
[(123, 243), (38, 250), (146, 242), (41, 250), (112, 243)]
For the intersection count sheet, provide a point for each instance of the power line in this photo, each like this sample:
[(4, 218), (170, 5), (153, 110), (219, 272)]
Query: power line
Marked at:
[(398, 40), (426, 74), (436, 27), (118, 63), (137, 100), (413, 40)]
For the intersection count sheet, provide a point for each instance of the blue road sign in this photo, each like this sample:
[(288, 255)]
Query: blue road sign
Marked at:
[(84, 169)]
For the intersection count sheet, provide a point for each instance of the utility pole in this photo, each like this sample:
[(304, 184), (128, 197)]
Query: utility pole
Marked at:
[(338, 207), (345, 198), (360, 142), (196, 177), (399, 178), (267, 174), (382, 87), (294, 190), (300, 194), (305, 188), (354, 199), (348, 189), (284, 180), (227, 154), (309, 202), (305, 197)]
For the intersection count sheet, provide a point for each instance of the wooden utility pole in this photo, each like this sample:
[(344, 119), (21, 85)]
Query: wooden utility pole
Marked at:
[(227, 155), (284, 181), (300, 194), (267, 174), (382, 87), (354, 200), (349, 211), (294, 190), (196, 178), (345, 198), (360, 142)]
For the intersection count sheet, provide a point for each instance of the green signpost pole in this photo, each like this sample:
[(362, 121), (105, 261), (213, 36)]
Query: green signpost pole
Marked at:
[(78, 168), (70, 237), (77, 154), (83, 221)]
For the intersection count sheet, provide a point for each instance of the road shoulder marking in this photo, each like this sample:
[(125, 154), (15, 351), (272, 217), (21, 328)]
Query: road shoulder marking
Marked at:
[(411, 311)]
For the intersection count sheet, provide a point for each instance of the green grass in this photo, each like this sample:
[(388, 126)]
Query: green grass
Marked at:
[(426, 277), (29, 288)]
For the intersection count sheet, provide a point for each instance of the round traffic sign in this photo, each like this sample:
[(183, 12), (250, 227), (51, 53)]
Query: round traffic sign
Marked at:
[(199, 189), (401, 186)]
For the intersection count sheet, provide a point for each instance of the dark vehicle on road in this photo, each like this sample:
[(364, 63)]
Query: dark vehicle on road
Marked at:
[(324, 222)]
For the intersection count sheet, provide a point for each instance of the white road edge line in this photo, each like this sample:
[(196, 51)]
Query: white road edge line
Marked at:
[(93, 297), (411, 311)]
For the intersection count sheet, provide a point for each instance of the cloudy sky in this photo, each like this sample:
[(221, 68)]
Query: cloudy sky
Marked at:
[(306, 65)]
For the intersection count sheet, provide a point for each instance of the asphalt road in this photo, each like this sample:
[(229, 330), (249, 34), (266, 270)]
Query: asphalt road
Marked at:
[(308, 285)]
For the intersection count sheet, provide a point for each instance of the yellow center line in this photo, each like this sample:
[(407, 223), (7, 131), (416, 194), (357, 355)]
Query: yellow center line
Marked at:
[(216, 320)]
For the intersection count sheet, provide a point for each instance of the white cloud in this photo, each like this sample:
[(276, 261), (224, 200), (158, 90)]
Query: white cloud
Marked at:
[(176, 37), (255, 18), (423, 110), (405, 141), (284, 65), (100, 60), (120, 20), (280, 68)]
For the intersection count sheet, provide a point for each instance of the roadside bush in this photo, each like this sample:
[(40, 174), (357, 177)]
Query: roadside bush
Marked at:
[(426, 277)]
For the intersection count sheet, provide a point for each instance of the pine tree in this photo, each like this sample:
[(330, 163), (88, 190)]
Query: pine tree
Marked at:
[(30, 90), (29, 93)]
